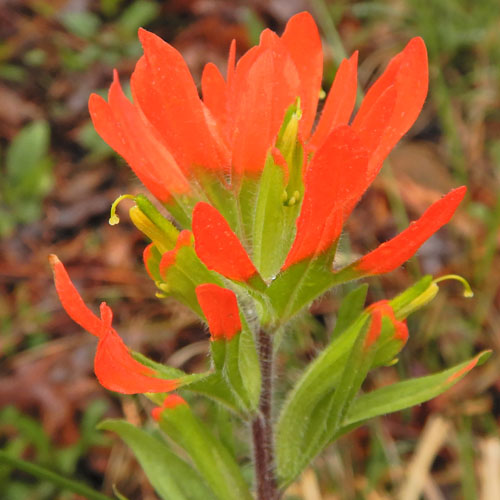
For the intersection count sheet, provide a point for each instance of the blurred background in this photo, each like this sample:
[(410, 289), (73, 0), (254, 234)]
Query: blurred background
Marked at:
[(58, 180)]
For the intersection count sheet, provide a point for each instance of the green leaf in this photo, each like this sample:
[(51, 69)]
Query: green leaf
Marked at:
[(185, 275), (212, 459), (248, 364), (297, 286), (27, 166), (317, 382), (138, 14), (397, 397), (350, 308), (171, 477), (216, 388), (409, 393), (84, 24), (242, 369), (52, 477), (329, 414), (209, 384)]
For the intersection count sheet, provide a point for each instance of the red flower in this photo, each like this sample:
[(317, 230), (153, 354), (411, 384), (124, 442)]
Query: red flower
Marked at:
[(235, 124), (348, 158), (114, 366), (178, 143)]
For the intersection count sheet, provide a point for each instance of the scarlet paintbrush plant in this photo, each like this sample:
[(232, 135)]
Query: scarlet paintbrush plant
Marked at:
[(259, 196)]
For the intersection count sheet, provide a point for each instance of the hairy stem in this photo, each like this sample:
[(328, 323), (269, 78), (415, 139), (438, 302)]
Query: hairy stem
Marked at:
[(262, 429)]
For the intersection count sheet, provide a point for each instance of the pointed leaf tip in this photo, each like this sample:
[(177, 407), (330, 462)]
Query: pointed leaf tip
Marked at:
[(170, 402)]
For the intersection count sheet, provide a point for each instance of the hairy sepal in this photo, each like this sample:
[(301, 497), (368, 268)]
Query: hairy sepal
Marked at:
[(299, 285)]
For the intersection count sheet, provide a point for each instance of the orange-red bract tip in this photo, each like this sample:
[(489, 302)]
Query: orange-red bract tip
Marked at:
[(170, 402), (71, 300), (386, 311), (146, 255), (333, 177), (339, 102), (391, 254), (184, 239), (118, 371), (114, 366), (220, 307), (123, 127), (164, 90), (375, 328), (217, 245), (467, 368)]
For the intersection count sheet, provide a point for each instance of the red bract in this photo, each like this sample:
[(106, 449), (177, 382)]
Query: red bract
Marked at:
[(124, 128), (384, 309), (233, 127), (395, 252), (220, 308), (343, 167), (170, 402), (218, 247), (184, 239), (114, 366)]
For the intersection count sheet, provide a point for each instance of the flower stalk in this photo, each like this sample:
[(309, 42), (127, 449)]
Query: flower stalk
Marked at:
[(262, 425)]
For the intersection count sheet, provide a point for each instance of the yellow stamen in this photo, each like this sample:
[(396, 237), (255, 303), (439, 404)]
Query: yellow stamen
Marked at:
[(113, 218), (467, 288)]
